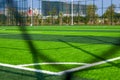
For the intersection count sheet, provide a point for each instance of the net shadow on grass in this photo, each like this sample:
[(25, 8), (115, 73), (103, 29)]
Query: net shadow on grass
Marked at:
[(22, 49), (19, 20), (102, 40), (36, 55), (117, 65), (101, 57), (76, 39), (15, 74), (69, 75)]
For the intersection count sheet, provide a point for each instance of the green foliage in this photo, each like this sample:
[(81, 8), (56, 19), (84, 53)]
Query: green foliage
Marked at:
[(91, 14), (3, 19), (117, 18), (66, 20), (80, 20), (109, 14), (60, 17), (91, 10)]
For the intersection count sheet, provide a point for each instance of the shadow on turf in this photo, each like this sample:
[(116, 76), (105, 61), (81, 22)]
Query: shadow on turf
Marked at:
[(109, 53), (15, 74), (21, 49), (37, 56), (10, 74), (24, 34), (117, 65), (101, 57), (76, 39)]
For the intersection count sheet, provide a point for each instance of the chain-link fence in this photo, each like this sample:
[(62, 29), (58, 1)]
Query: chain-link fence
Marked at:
[(59, 12)]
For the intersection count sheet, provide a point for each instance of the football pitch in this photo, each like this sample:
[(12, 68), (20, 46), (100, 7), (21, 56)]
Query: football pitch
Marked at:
[(89, 52)]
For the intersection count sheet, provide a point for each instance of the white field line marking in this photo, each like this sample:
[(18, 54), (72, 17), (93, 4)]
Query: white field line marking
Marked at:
[(28, 69), (54, 63), (62, 72), (88, 66)]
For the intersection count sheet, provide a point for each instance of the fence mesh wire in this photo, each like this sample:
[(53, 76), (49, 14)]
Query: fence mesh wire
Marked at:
[(59, 12)]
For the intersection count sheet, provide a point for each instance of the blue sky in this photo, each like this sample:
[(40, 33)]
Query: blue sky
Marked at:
[(106, 3)]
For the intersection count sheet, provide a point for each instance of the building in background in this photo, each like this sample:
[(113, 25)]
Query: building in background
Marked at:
[(45, 12), (57, 7)]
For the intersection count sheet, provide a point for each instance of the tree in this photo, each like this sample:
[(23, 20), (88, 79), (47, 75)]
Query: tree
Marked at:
[(3, 19), (91, 13), (60, 18), (117, 18), (109, 14), (52, 14)]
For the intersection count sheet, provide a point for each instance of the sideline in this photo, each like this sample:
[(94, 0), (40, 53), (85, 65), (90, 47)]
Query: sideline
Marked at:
[(61, 72), (88, 66), (28, 69), (53, 63)]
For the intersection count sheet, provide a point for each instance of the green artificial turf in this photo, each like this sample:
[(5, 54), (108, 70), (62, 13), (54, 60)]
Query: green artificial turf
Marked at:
[(85, 44)]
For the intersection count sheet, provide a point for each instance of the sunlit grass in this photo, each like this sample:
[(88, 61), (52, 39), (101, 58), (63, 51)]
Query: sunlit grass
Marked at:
[(64, 44)]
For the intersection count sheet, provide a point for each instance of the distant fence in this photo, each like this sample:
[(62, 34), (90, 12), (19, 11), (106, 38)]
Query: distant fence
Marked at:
[(60, 12)]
